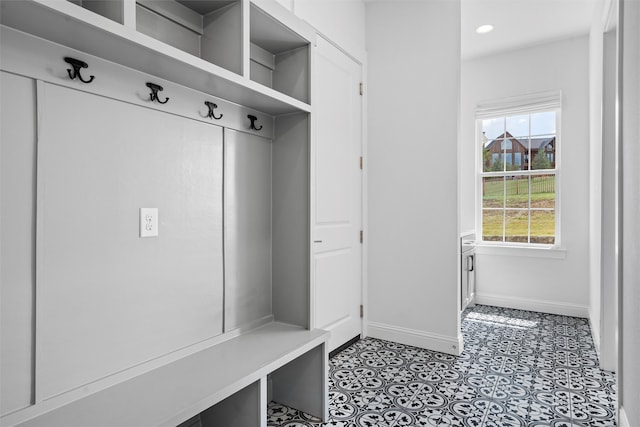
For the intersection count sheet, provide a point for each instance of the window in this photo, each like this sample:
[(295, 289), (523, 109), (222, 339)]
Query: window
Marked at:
[(518, 176)]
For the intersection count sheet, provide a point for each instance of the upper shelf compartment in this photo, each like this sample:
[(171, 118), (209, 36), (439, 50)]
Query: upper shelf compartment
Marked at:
[(211, 30), (113, 10), (110, 30), (279, 57)]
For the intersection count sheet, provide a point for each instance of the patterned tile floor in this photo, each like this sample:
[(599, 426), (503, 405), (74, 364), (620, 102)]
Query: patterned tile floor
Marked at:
[(519, 368)]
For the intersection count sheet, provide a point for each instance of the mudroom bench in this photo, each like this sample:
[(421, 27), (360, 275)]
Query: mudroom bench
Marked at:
[(183, 130), (228, 384)]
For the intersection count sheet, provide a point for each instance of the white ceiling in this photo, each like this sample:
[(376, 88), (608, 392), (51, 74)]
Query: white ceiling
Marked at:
[(521, 23)]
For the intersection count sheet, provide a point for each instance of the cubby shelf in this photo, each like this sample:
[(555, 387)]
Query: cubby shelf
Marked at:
[(279, 57), (211, 30), (116, 39)]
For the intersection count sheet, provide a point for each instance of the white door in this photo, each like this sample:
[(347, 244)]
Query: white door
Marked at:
[(337, 218)]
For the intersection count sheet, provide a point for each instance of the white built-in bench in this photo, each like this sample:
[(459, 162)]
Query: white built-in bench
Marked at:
[(228, 385)]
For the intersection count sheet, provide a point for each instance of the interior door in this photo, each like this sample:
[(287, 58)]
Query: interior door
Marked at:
[(337, 219)]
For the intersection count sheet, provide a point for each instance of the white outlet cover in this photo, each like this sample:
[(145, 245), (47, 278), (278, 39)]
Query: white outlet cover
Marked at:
[(148, 222)]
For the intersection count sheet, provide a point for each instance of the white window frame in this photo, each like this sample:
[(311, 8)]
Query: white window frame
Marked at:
[(528, 104)]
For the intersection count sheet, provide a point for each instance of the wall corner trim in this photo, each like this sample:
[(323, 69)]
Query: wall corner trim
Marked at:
[(427, 340), (623, 421), (542, 306), (595, 334)]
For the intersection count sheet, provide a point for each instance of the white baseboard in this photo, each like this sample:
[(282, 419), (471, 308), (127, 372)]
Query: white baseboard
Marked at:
[(595, 334), (623, 421), (436, 342), (542, 306)]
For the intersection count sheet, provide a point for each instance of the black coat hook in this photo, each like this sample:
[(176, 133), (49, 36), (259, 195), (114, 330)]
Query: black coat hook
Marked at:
[(253, 122), (212, 107), (77, 64), (154, 93)]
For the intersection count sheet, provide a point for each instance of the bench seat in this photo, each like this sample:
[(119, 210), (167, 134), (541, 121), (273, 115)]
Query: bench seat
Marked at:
[(180, 390)]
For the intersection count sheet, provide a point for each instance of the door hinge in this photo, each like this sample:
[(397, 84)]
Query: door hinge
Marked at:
[(361, 311), (361, 162), (361, 236), (361, 88)]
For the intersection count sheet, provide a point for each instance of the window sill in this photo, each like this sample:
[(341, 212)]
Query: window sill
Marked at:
[(523, 251)]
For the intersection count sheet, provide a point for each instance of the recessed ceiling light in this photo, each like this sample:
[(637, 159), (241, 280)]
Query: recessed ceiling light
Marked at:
[(484, 29)]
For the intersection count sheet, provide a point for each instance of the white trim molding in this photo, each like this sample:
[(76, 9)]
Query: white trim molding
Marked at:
[(542, 306), (623, 421), (529, 251), (520, 104), (595, 335), (436, 342)]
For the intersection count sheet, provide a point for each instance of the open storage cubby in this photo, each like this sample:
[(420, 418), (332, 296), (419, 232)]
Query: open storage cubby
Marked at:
[(232, 49), (240, 409), (279, 56), (211, 30), (111, 9), (266, 229)]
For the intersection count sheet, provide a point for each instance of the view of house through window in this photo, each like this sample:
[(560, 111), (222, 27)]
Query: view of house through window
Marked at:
[(518, 178)]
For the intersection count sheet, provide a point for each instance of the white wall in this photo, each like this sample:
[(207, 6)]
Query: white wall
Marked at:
[(556, 282), (413, 99), (629, 378), (286, 3), (341, 21)]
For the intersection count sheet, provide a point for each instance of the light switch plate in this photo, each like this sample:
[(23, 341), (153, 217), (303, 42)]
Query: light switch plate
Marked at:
[(148, 222)]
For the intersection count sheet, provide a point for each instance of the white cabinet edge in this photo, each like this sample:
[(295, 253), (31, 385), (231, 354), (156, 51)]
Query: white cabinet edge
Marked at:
[(521, 251)]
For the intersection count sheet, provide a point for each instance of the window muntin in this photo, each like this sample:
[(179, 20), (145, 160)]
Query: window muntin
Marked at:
[(518, 178)]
